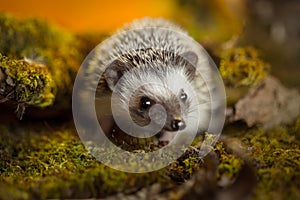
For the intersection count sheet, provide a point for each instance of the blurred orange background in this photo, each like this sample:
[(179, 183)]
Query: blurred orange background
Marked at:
[(88, 15)]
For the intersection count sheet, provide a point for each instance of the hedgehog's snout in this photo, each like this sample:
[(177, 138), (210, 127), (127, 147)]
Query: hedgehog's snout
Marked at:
[(177, 124)]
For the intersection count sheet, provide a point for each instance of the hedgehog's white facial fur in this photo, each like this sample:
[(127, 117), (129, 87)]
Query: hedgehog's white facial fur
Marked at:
[(154, 86), (141, 87)]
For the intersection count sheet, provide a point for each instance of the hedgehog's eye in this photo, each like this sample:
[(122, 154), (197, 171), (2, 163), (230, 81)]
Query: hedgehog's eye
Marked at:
[(183, 96), (146, 102)]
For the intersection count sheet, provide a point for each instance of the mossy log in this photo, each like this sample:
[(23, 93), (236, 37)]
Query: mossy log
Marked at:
[(26, 84), (30, 43)]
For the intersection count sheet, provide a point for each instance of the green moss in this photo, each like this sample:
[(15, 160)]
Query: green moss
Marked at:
[(229, 165), (190, 162), (185, 166), (26, 84), (39, 42), (37, 163), (242, 66), (276, 158), (40, 164)]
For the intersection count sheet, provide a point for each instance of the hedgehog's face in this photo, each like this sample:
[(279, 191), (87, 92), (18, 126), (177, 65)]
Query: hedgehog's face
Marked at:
[(175, 105), (154, 83)]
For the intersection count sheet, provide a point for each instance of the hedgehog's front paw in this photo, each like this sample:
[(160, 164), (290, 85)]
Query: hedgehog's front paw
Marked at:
[(166, 136)]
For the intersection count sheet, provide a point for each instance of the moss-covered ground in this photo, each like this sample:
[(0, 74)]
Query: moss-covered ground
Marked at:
[(44, 163), (275, 155), (49, 161)]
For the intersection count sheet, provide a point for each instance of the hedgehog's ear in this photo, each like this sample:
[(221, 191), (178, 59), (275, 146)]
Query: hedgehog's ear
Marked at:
[(192, 59), (114, 72)]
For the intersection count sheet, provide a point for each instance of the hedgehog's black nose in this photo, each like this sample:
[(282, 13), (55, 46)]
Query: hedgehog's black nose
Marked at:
[(177, 125)]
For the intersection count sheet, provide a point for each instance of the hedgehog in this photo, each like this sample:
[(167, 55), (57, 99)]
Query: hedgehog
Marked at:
[(147, 63)]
